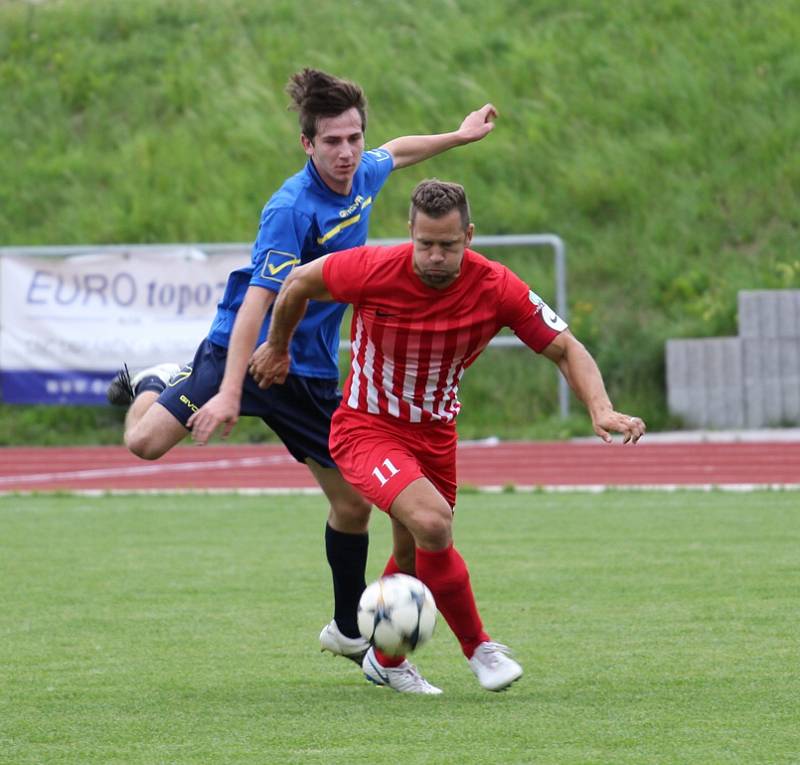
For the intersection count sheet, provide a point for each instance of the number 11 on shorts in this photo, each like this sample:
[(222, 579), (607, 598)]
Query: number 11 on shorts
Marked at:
[(387, 463)]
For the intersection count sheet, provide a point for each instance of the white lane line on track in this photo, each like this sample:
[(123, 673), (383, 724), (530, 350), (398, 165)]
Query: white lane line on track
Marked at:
[(469, 489), (598, 488), (145, 470)]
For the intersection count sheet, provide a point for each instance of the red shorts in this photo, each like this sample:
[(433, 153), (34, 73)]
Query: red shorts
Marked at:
[(381, 456)]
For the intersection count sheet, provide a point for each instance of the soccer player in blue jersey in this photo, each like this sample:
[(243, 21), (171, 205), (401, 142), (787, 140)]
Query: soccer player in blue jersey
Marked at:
[(323, 208)]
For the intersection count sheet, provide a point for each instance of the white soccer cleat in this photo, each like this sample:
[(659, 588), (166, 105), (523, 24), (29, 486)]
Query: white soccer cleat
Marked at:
[(164, 372), (405, 678), (123, 389), (493, 666), (331, 639)]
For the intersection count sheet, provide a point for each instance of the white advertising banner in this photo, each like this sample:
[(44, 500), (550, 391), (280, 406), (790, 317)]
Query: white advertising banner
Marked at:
[(67, 324)]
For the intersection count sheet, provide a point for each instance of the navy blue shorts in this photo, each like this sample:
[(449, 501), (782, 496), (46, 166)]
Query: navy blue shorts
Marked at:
[(299, 411)]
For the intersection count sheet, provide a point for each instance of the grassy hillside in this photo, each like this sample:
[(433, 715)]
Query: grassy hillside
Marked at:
[(659, 139)]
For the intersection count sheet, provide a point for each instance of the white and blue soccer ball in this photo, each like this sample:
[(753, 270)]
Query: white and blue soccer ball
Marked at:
[(397, 614)]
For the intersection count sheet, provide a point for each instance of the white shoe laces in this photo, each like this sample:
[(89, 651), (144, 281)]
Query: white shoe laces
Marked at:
[(490, 653), (411, 675)]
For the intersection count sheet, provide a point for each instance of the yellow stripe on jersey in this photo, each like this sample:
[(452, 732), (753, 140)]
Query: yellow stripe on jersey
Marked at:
[(344, 224), (337, 228)]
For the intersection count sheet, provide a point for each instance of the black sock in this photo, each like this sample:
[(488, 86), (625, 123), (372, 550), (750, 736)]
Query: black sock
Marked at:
[(347, 557)]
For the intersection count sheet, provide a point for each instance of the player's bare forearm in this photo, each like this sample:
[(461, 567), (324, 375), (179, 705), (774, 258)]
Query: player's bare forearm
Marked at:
[(289, 309), (410, 149), (270, 361), (584, 377), (223, 408), (246, 328), (303, 284)]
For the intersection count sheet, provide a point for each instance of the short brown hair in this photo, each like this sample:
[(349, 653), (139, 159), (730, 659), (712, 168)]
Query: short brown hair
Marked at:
[(437, 198), (316, 94)]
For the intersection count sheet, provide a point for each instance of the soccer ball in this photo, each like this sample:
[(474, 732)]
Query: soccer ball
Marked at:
[(397, 614)]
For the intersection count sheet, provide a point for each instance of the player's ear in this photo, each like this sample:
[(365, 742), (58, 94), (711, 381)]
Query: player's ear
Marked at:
[(468, 236), (307, 143)]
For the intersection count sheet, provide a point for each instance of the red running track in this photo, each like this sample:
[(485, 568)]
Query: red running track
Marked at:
[(522, 464)]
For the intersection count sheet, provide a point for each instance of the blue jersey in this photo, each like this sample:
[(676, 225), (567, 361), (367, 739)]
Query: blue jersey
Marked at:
[(302, 221)]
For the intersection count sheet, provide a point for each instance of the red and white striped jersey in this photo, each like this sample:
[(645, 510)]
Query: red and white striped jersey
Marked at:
[(411, 343)]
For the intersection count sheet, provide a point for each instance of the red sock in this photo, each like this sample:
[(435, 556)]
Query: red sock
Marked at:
[(391, 567), (383, 659), (445, 573)]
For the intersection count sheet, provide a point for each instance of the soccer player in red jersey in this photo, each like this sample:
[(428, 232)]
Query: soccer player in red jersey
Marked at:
[(422, 313), (324, 207)]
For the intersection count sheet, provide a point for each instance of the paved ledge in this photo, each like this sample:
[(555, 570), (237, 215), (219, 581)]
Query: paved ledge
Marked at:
[(761, 435)]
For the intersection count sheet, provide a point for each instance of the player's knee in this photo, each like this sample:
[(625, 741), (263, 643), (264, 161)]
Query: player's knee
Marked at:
[(142, 446), (434, 528), (350, 514)]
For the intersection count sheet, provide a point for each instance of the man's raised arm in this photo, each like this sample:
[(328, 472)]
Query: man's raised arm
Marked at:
[(270, 361), (410, 149)]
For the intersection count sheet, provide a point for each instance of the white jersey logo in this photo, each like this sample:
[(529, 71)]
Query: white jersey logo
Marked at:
[(381, 155), (549, 316)]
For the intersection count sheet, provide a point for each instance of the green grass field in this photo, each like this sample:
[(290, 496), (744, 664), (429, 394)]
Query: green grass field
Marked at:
[(653, 628)]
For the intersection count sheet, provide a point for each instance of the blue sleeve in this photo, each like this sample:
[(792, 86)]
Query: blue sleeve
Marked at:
[(378, 163), (278, 246)]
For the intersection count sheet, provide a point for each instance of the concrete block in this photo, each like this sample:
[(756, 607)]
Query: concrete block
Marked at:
[(704, 382), (789, 350), (771, 381), (682, 382), (769, 313), (750, 381), (723, 382)]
